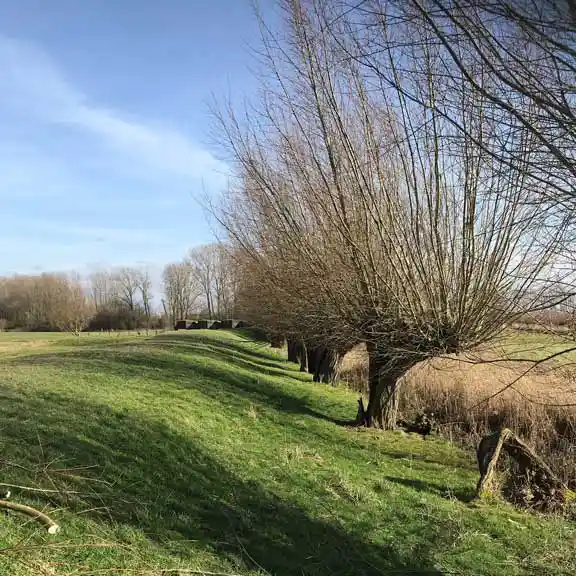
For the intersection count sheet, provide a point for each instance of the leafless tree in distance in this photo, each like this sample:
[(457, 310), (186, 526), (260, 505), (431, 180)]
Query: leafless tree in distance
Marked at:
[(128, 282), (181, 290)]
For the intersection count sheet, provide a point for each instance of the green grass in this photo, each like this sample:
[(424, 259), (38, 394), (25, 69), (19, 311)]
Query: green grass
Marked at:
[(210, 452), (518, 344)]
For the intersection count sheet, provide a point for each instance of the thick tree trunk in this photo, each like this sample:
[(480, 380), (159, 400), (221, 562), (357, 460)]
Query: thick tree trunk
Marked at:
[(311, 354), (385, 409), (323, 363), (297, 353), (329, 366), (318, 360), (292, 350), (383, 387), (303, 353)]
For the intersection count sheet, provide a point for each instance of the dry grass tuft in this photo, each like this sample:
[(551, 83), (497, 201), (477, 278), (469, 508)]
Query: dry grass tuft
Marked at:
[(22, 347), (252, 412), (537, 407)]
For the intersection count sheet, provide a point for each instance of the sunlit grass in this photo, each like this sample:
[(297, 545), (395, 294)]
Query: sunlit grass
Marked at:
[(209, 452), (520, 344)]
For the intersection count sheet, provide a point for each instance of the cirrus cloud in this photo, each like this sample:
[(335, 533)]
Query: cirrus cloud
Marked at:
[(31, 82)]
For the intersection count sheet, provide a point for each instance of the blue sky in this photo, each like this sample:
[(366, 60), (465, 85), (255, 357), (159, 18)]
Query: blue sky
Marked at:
[(104, 127)]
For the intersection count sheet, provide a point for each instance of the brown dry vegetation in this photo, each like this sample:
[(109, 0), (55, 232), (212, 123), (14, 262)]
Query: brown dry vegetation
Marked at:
[(540, 407), (8, 347)]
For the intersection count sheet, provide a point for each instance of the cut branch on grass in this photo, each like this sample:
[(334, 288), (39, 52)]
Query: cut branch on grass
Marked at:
[(40, 490), (51, 526)]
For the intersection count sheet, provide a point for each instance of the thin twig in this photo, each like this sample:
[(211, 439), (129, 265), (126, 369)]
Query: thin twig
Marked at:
[(511, 384), (76, 468), (17, 549), (42, 490), (14, 465)]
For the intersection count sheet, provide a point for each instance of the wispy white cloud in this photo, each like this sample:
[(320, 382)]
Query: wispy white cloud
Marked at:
[(84, 183), (33, 83)]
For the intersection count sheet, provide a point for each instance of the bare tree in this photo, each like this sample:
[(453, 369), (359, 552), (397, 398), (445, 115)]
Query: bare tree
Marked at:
[(519, 56), (145, 288), (202, 261), (181, 290), (104, 289), (52, 301), (45, 302), (366, 220), (221, 282), (214, 269), (70, 309), (128, 281)]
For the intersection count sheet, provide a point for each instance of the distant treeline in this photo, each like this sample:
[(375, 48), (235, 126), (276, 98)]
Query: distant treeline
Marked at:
[(201, 285)]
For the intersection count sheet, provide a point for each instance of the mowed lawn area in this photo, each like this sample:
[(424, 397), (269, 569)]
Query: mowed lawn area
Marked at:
[(207, 452)]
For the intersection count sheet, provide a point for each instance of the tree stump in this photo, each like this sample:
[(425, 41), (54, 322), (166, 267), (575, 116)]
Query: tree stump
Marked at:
[(526, 481)]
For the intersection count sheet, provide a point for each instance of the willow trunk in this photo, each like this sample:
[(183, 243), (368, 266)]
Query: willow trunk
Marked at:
[(383, 387)]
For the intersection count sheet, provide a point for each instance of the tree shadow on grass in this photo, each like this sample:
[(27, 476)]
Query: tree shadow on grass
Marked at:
[(234, 390), (238, 359), (428, 457), (259, 363), (188, 342), (251, 334), (173, 489), (465, 495), (216, 381)]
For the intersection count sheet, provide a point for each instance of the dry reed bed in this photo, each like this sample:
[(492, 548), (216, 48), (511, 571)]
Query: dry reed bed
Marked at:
[(540, 407)]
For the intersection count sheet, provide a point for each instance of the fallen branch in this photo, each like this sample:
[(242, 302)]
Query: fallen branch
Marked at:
[(51, 526), (531, 482)]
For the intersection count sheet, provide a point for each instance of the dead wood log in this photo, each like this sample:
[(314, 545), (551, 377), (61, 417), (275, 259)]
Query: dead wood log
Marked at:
[(51, 526), (527, 480)]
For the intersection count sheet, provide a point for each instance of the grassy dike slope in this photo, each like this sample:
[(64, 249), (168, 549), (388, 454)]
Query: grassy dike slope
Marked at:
[(209, 452)]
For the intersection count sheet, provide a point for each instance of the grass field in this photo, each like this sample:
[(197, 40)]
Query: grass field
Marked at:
[(208, 453)]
